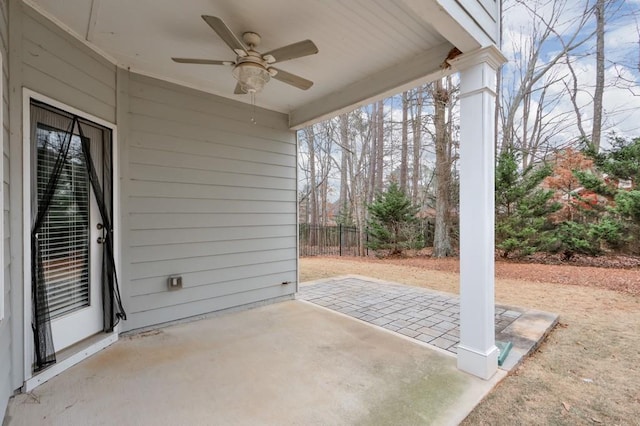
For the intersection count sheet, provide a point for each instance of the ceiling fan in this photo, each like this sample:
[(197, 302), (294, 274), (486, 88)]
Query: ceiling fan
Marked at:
[(251, 68)]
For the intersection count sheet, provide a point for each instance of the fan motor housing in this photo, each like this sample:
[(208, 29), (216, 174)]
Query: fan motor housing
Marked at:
[(251, 39)]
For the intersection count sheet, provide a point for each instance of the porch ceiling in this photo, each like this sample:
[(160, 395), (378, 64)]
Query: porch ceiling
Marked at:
[(367, 48)]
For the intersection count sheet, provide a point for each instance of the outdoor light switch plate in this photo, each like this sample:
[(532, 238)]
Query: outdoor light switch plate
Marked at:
[(175, 283)]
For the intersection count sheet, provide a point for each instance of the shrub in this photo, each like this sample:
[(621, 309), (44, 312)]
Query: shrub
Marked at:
[(392, 223)]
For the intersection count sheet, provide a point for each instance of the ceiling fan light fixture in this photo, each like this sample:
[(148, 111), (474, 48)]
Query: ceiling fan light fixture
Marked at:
[(252, 78), (251, 68)]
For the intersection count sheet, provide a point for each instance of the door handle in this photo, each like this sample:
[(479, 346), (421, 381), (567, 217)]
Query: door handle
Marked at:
[(101, 239)]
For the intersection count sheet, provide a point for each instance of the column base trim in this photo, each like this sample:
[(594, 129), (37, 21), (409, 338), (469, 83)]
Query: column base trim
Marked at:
[(480, 364)]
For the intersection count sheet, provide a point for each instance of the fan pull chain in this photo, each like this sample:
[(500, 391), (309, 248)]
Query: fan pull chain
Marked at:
[(253, 107)]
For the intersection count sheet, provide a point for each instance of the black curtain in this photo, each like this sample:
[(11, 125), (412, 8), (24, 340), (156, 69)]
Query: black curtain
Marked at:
[(113, 310), (41, 324), (102, 186)]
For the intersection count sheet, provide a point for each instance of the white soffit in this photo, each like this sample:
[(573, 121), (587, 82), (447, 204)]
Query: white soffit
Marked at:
[(358, 40)]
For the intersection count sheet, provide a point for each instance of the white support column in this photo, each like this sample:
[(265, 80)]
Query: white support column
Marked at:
[(477, 353)]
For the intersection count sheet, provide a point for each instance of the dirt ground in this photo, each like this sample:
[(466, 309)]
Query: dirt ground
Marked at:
[(587, 371)]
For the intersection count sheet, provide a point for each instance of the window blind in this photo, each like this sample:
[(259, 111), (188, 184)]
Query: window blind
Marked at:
[(64, 234)]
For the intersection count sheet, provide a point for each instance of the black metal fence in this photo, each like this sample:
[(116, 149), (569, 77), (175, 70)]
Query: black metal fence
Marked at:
[(337, 240)]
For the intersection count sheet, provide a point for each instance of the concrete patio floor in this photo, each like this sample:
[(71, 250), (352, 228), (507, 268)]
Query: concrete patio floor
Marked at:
[(290, 363)]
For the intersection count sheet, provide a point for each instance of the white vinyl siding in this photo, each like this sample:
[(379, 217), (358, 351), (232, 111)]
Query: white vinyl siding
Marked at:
[(210, 197), (6, 343)]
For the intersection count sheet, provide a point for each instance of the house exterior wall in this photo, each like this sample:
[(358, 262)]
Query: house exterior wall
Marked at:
[(466, 24), (204, 193), (57, 65), (208, 196), (6, 344), (484, 14), (49, 61)]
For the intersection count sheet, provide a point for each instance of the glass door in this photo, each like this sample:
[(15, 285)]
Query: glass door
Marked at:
[(70, 236)]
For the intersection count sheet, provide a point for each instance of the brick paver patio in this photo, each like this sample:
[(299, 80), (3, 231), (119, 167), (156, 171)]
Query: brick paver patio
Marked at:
[(426, 315)]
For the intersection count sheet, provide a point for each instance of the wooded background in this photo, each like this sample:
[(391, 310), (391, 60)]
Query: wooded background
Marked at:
[(568, 101)]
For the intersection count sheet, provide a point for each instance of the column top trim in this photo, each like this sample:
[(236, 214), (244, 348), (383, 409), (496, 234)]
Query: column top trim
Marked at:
[(490, 55)]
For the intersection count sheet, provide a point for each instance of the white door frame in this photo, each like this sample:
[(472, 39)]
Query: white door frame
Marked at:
[(31, 380)]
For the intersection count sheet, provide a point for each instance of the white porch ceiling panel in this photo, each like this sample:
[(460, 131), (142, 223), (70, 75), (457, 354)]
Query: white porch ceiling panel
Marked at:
[(367, 48)]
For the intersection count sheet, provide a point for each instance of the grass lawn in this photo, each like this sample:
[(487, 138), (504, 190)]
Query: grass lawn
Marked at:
[(587, 371)]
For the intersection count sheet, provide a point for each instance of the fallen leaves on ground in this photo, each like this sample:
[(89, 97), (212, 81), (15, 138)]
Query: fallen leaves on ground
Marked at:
[(625, 280)]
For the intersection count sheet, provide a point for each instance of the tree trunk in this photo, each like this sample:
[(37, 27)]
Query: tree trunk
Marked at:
[(373, 150), (357, 189), (363, 171), (326, 165), (345, 209), (596, 133), (496, 134), (324, 194), (353, 155), (404, 154), (417, 142), (442, 241), (573, 95), (380, 147), (313, 193)]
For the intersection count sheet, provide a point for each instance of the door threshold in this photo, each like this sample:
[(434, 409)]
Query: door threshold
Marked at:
[(70, 356)]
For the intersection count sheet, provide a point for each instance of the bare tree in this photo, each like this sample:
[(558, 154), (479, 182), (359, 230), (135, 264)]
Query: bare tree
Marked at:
[(372, 163), (624, 77), (316, 163), (417, 146), (379, 158), (596, 131), (404, 154), (532, 74), (497, 110), (441, 94), (345, 207), (324, 153), (313, 192), (573, 95), (360, 155)]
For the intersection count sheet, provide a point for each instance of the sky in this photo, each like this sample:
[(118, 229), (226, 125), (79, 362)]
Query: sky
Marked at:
[(622, 59), (622, 44)]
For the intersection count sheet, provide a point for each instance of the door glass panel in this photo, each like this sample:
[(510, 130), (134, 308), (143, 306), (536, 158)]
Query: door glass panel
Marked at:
[(64, 236)]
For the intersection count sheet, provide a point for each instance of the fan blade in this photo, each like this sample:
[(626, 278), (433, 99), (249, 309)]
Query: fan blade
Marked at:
[(201, 61), (226, 34), (292, 51), (238, 90), (292, 79)]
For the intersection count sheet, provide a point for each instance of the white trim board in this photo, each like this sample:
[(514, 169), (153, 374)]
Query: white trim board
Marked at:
[(59, 367), (29, 378), (33, 5)]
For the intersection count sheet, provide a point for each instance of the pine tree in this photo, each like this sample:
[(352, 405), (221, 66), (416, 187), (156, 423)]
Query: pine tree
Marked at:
[(622, 161), (522, 207), (392, 221), (621, 219), (591, 221)]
